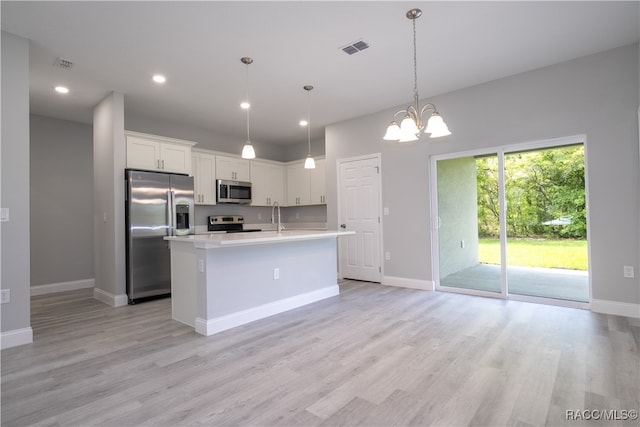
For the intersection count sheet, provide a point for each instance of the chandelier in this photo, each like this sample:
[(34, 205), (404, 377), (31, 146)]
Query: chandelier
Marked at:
[(412, 124), (247, 151)]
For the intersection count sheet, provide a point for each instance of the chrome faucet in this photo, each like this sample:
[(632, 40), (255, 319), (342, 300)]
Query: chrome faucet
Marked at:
[(279, 226)]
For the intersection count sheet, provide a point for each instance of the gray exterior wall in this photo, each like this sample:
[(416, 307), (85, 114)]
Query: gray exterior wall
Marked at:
[(61, 195), (596, 95), (458, 209)]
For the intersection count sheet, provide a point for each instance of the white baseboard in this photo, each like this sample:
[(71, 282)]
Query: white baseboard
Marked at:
[(109, 298), (616, 308), (402, 282), (219, 324), (51, 288), (16, 338)]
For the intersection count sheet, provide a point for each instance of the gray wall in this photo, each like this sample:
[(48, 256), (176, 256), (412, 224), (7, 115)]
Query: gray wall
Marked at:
[(61, 195), (596, 95), (108, 196), (14, 184)]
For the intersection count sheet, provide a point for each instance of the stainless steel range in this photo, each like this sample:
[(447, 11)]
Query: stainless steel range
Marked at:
[(228, 224)]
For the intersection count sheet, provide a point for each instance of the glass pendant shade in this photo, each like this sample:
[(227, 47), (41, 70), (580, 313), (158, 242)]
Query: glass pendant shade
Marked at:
[(248, 152), (309, 163), (408, 126), (393, 132), (408, 130), (436, 126)]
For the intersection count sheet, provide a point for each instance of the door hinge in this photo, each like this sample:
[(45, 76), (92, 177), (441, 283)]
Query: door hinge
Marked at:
[(377, 170), (378, 220), (380, 269)]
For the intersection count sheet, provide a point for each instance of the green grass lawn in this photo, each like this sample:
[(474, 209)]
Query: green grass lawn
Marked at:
[(569, 254)]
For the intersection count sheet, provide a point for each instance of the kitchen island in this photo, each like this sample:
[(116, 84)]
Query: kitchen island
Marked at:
[(220, 281)]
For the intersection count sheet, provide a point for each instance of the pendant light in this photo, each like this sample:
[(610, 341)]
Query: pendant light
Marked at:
[(247, 151), (412, 123), (309, 163)]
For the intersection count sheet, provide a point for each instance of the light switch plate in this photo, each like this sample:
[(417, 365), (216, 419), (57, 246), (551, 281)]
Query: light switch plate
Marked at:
[(628, 272), (4, 214)]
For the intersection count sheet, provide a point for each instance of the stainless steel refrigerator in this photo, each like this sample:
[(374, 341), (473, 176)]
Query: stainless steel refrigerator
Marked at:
[(157, 205)]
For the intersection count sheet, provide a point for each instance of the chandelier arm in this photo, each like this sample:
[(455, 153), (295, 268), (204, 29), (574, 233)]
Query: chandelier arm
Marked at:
[(428, 107), (406, 111)]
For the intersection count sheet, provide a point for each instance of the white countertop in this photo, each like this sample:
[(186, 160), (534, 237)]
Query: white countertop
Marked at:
[(216, 240)]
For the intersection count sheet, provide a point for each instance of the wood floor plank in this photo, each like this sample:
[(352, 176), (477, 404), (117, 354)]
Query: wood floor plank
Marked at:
[(372, 356)]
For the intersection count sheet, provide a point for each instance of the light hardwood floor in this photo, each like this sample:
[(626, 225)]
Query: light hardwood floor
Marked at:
[(373, 356)]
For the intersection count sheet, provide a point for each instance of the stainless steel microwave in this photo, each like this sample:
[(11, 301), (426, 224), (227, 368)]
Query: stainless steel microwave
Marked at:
[(233, 191)]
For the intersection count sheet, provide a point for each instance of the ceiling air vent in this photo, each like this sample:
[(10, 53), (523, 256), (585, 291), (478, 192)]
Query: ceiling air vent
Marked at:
[(62, 63), (354, 47)]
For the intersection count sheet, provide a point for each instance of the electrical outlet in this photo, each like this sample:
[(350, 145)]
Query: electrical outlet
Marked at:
[(201, 265), (628, 272), (387, 256), (5, 296), (276, 273)]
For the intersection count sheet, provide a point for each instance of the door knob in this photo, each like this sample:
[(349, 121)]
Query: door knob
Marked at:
[(343, 225)]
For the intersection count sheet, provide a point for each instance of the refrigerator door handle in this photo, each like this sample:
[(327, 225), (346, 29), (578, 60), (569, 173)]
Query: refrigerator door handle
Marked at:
[(170, 213)]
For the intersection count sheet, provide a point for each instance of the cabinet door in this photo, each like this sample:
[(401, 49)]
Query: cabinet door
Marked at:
[(297, 185), (175, 158), (143, 153), (267, 184), (275, 182), (259, 184), (318, 183), (203, 167), (207, 167), (233, 169)]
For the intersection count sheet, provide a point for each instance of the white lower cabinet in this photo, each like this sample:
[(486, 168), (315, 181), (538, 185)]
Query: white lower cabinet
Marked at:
[(267, 183), (204, 177)]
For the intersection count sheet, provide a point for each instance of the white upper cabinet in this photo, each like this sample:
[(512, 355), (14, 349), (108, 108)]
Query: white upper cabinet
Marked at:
[(318, 184), (298, 185), (158, 154), (306, 186), (204, 173), (232, 169), (267, 184)]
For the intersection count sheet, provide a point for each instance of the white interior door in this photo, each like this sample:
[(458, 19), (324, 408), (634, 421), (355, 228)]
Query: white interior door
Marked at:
[(359, 211)]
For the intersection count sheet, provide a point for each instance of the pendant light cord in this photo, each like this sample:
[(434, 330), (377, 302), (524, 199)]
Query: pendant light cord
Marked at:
[(309, 119), (415, 64), (248, 102)]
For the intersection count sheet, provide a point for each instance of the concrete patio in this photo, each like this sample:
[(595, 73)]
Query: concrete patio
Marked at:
[(571, 285)]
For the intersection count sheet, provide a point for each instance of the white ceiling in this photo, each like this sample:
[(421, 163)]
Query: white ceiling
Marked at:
[(117, 46)]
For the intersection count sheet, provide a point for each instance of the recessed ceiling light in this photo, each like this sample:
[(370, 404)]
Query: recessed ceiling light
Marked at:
[(303, 122), (245, 105), (61, 89), (159, 78)]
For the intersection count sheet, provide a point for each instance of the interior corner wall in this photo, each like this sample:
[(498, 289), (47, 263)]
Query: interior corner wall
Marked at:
[(596, 96), (108, 195), (61, 220), (14, 188)]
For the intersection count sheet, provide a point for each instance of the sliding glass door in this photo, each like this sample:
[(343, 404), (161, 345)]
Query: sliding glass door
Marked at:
[(512, 223)]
